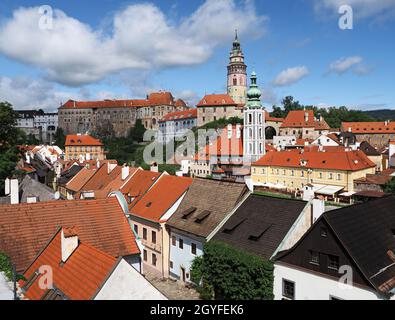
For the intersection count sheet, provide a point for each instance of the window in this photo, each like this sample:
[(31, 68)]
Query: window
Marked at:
[(181, 243), (339, 177), (314, 257), (144, 233), (333, 262), (136, 229), (145, 256), (153, 237), (173, 241), (330, 176), (193, 248), (171, 265), (154, 259), (288, 289)]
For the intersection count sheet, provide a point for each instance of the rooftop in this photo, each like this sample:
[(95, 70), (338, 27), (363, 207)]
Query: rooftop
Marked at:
[(180, 115), (216, 100), (82, 140), (206, 196), (304, 119), (369, 127), (101, 223)]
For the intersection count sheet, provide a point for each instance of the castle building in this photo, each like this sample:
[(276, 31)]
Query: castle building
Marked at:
[(237, 74), (254, 124)]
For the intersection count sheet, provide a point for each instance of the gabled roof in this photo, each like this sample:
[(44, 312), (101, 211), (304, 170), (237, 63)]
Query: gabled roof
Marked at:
[(161, 197), (138, 185), (366, 231), (161, 98), (80, 179), (78, 278), (212, 100), (368, 149), (206, 196), (180, 115), (260, 224), (31, 187), (25, 228), (81, 140), (102, 178), (115, 184), (297, 119), (335, 158), (369, 127)]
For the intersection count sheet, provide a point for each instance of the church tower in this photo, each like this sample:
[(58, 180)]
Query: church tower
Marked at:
[(254, 124), (237, 74)]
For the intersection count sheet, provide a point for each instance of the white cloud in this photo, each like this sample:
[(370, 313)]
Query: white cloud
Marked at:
[(361, 8), (291, 76), (141, 38), (353, 63), (26, 93), (189, 96)]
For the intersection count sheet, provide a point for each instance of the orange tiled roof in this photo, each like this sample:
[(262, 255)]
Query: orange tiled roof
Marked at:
[(216, 100), (138, 185), (180, 103), (115, 184), (80, 179), (78, 278), (82, 140), (369, 127), (180, 115), (297, 119), (334, 158), (270, 118), (71, 104), (102, 178), (161, 98), (25, 228), (161, 197)]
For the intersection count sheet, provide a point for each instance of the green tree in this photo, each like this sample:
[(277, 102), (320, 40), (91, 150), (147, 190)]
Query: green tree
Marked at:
[(10, 138), (60, 138), (389, 187), (137, 132), (31, 140), (233, 274)]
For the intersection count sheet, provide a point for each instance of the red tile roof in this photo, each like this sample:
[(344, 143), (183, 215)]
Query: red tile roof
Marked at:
[(180, 103), (154, 99), (78, 278), (161, 197), (102, 178), (332, 158), (80, 179), (138, 185), (82, 140), (180, 115), (25, 228), (115, 184), (216, 100), (369, 127), (268, 117), (297, 119)]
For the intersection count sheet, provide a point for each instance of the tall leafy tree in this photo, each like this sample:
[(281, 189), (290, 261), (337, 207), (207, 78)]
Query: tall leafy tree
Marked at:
[(389, 187), (60, 138), (10, 138)]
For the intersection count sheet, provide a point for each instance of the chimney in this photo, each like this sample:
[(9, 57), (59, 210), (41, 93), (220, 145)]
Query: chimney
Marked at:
[(111, 167), (28, 158), (306, 116), (7, 186), (32, 199), (14, 191), (69, 242), (125, 172), (154, 167)]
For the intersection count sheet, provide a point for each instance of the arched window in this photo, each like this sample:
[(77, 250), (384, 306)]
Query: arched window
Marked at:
[(235, 81), (250, 118)]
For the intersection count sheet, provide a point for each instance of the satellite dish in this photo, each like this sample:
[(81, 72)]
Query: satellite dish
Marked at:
[(57, 195)]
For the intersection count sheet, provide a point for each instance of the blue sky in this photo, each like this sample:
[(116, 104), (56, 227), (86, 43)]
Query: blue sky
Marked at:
[(125, 49)]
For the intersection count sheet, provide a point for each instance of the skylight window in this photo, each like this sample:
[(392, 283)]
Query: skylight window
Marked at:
[(149, 204), (202, 216), (188, 212), (233, 227), (256, 236)]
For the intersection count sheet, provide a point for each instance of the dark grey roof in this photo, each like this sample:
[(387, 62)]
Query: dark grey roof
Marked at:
[(367, 231), (69, 174), (31, 187), (205, 205), (260, 224), (368, 149)]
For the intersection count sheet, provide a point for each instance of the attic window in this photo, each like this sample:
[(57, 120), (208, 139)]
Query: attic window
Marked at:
[(202, 216), (188, 212), (30, 281), (149, 204), (233, 226)]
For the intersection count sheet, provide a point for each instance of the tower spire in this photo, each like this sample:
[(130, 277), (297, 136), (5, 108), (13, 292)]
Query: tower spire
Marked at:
[(236, 36)]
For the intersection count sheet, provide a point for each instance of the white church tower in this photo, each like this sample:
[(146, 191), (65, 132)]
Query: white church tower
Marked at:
[(254, 124)]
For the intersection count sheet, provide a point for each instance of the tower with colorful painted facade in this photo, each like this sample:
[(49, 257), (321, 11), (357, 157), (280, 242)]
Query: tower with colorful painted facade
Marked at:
[(237, 74), (254, 124)]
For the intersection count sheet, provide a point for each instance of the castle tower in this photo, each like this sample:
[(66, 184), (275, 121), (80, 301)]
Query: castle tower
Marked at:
[(237, 74), (254, 124)]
